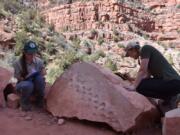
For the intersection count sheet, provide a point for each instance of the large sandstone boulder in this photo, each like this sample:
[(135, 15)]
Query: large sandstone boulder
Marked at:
[(89, 92), (172, 122), (5, 76)]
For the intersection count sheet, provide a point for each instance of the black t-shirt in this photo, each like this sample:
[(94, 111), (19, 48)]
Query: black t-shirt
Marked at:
[(158, 66)]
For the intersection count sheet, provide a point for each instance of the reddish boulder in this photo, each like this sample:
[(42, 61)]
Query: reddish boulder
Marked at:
[(168, 36), (13, 101), (5, 76), (172, 122), (89, 92), (47, 89)]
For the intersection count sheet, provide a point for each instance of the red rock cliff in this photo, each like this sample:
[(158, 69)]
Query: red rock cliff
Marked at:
[(106, 14)]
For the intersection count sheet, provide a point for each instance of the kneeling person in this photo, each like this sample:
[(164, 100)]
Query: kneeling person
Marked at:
[(156, 77), (29, 71)]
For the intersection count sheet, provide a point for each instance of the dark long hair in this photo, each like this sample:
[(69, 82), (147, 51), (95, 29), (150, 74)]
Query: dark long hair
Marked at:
[(24, 66)]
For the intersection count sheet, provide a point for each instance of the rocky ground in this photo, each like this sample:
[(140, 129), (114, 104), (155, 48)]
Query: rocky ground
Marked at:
[(42, 123)]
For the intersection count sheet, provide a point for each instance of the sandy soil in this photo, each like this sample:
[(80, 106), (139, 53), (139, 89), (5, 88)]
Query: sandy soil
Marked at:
[(38, 122)]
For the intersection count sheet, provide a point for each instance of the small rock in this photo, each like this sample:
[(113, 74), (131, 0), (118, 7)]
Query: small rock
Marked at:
[(13, 101), (28, 118), (61, 121), (23, 114), (49, 123), (7, 29), (171, 122)]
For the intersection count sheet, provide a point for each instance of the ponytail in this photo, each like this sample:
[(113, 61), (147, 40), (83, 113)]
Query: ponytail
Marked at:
[(24, 66)]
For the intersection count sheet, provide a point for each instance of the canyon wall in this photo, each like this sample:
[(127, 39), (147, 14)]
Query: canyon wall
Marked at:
[(167, 2), (107, 14)]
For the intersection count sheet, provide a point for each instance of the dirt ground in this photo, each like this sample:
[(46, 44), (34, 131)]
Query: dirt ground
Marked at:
[(38, 122)]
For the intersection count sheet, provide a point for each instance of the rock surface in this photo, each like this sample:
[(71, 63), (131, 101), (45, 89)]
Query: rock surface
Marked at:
[(13, 101), (98, 14), (171, 122), (89, 92), (12, 123), (5, 76)]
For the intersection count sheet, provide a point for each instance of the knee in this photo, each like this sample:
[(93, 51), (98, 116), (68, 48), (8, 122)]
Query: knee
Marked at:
[(39, 79), (25, 86), (39, 83), (140, 89)]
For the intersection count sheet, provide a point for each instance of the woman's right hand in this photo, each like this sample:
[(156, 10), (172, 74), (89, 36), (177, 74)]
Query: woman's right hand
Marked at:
[(130, 87), (20, 79)]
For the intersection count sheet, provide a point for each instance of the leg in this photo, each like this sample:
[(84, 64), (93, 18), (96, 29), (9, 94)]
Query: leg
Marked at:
[(25, 88), (39, 85), (158, 88)]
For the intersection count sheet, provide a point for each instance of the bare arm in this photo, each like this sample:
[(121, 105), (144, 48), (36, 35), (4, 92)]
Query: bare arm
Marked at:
[(143, 72)]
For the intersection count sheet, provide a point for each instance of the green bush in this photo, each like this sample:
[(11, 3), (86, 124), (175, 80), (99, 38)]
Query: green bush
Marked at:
[(116, 39), (100, 40), (52, 74), (115, 32), (178, 6), (95, 56), (67, 58), (51, 50), (12, 6), (3, 13), (76, 43), (110, 64), (94, 32), (20, 38), (31, 21), (62, 63), (121, 46)]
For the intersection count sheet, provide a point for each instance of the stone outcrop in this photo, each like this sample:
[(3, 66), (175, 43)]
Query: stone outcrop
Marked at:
[(13, 101), (166, 2), (167, 22), (6, 38), (167, 26), (107, 14), (5, 76), (43, 3), (171, 122), (89, 92), (110, 15)]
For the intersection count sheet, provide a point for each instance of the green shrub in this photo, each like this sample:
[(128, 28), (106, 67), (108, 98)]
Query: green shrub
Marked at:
[(178, 31), (20, 38), (115, 32), (53, 73), (146, 36), (110, 64), (121, 46), (85, 43), (170, 59), (115, 38), (3, 13), (100, 40), (51, 27), (76, 42), (67, 59), (52, 1), (51, 50), (31, 21), (95, 56), (61, 64), (94, 32), (7, 61), (178, 6), (12, 6)]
